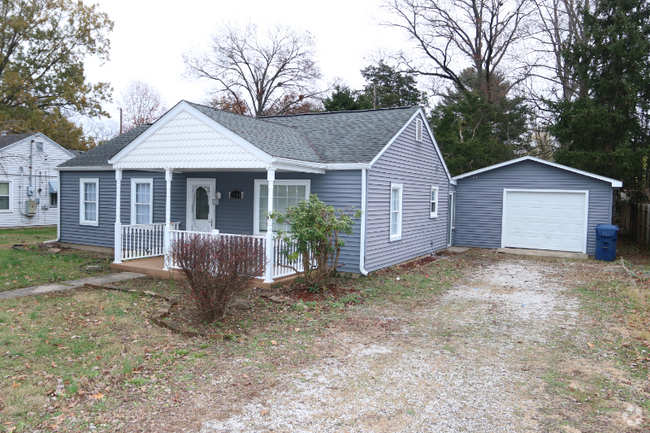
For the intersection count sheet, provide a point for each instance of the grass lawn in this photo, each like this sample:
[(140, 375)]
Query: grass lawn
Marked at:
[(91, 357), (34, 265), (8, 237)]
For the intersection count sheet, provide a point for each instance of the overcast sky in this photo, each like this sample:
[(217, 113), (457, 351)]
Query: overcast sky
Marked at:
[(150, 37)]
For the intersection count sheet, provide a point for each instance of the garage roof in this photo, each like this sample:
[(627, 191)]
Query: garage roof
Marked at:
[(615, 183)]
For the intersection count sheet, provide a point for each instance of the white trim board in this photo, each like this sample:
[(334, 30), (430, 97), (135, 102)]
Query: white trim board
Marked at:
[(37, 135), (585, 218), (615, 183)]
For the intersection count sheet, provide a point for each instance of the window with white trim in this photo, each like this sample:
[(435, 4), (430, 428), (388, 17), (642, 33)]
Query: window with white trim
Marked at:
[(396, 190), (141, 201), (418, 130), (433, 204), (89, 202), (286, 194), (5, 196)]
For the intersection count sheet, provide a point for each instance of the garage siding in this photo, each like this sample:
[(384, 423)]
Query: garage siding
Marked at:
[(417, 166), (479, 200)]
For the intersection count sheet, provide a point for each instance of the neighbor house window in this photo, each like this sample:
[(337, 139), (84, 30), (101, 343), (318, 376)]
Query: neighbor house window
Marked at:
[(396, 190), (142, 201), (54, 193), (89, 202), (5, 196), (433, 210), (286, 194)]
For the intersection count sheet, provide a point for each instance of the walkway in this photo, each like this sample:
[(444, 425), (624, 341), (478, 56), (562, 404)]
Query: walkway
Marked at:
[(66, 285)]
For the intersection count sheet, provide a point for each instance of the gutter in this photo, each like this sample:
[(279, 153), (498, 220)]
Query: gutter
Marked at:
[(362, 248)]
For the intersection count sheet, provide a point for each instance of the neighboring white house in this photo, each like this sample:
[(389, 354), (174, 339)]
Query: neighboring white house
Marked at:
[(28, 182)]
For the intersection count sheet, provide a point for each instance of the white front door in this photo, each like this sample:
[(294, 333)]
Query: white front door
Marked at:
[(200, 210), (546, 220)]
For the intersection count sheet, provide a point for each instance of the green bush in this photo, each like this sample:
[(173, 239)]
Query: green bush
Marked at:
[(315, 238)]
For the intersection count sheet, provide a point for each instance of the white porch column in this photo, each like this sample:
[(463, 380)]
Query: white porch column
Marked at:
[(168, 213), (270, 259), (118, 223)]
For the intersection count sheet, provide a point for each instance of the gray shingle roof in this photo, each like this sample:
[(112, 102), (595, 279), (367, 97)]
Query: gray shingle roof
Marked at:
[(99, 156), (7, 140), (274, 139), (348, 136), (332, 137)]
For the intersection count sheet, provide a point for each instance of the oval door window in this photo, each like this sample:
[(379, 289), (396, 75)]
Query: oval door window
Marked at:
[(202, 210)]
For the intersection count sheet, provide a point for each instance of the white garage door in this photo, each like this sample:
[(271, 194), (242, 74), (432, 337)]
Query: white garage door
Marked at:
[(547, 220)]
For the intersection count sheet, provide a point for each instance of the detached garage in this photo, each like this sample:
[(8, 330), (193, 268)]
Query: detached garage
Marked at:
[(532, 203)]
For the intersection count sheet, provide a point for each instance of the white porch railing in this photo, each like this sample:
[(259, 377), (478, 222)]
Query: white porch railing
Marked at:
[(140, 241), (280, 262)]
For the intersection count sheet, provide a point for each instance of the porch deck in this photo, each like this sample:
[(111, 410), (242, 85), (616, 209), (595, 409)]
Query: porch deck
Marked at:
[(153, 266)]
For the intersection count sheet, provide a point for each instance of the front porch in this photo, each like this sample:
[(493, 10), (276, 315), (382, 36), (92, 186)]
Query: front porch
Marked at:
[(154, 267)]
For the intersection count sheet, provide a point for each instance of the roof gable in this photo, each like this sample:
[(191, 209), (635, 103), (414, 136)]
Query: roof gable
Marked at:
[(185, 138), (615, 183)]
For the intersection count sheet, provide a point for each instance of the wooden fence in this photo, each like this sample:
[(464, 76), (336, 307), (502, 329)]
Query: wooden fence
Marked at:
[(634, 220)]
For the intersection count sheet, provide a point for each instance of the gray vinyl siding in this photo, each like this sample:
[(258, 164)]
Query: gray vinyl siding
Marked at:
[(338, 188), (479, 200), (418, 167), (102, 235)]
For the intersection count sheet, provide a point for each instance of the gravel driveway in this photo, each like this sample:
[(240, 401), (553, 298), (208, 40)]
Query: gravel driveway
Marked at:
[(466, 361)]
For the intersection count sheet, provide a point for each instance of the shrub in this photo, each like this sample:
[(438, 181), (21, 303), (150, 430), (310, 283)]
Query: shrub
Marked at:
[(314, 238), (217, 268)]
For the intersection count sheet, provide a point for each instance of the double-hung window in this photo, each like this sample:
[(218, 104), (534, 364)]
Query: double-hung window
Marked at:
[(5, 196), (89, 201), (433, 206), (141, 201), (286, 194), (396, 193)]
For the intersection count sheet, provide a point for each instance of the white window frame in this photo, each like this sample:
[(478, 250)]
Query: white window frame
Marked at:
[(82, 207), (134, 182), (437, 202), (394, 187), (11, 197), (419, 130), (259, 183)]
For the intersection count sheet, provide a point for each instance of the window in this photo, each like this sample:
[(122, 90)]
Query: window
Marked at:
[(5, 197), (418, 130), (142, 201), (54, 193), (89, 202), (286, 194), (433, 209), (396, 190)]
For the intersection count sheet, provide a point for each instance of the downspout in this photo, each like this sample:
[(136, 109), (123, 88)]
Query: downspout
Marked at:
[(362, 249)]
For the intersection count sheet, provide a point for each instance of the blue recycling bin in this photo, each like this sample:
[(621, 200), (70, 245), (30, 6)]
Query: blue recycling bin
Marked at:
[(606, 236)]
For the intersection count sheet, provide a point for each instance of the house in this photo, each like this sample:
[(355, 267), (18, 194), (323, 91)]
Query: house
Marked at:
[(28, 180), (532, 203), (198, 170)]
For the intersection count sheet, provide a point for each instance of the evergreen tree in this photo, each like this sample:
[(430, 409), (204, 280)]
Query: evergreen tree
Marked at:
[(605, 128), (474, 133), (343, 99), (391, 87)]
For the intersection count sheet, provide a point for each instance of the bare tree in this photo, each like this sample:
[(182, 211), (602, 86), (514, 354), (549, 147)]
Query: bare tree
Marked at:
[(559, 24), (452, 35), (270, 72), (141, 103)]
